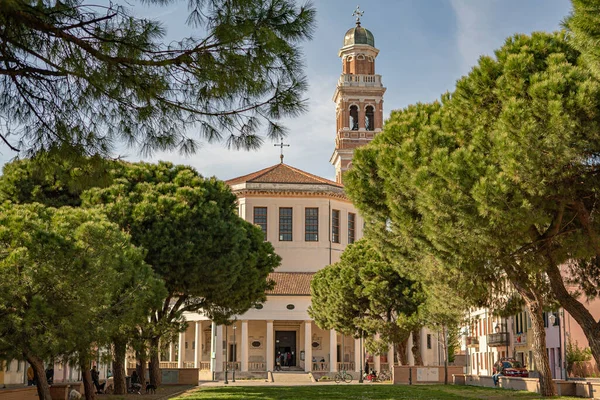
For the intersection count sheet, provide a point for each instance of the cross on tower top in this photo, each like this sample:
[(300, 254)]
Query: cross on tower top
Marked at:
[(358, 13), (281, 145)]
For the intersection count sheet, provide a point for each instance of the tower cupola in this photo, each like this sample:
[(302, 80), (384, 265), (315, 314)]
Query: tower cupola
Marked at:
[(359, 35)]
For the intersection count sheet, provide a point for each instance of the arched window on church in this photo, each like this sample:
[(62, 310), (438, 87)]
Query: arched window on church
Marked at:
[(369, 118), (354, 118)]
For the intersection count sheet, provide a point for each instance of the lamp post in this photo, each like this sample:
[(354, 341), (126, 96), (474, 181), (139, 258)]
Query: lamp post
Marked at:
[(360, 359), (226, 358), (234, 353), (277, 355)]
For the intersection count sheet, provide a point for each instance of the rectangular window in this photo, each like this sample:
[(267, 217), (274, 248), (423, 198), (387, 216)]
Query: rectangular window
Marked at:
[(351, 225), (545, 317), (335, 226), (285, 224), (429, 341), (260, 219), (311, 224)]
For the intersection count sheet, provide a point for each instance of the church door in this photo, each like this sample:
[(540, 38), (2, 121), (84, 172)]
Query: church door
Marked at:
[(285, 348)]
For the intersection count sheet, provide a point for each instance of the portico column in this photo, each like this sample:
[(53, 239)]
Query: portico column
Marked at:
[(181, 350), (219, 349), (244, 349), (391, 356), (332, 350), (357, 350), (377, 361), (197, 345), (308, 346), (200, 343), (270, 346), (171, 351)]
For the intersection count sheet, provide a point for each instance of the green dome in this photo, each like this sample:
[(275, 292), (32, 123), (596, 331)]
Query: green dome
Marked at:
[(359, 35)]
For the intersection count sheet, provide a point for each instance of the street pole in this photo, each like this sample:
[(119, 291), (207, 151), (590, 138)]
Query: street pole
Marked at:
[(360, 358), (234, 353), (226, 358)]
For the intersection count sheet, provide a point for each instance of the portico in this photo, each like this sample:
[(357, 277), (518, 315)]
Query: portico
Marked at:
[(258, 343)]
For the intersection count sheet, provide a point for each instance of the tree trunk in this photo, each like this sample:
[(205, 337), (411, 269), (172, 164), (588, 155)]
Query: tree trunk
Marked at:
[(416, 347), (534, 304), (589, 325), (402, 351), (120, 349), (86, 377), (143, 364), (155, 361), (43, 388)]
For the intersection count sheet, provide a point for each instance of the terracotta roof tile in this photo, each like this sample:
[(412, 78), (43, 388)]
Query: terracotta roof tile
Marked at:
[(282, 173), (291, 283)]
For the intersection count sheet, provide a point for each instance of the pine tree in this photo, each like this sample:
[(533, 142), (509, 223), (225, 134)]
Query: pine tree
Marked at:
[(94, 75)]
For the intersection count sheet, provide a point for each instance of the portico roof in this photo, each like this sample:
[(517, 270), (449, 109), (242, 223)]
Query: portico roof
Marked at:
[(291, 283)]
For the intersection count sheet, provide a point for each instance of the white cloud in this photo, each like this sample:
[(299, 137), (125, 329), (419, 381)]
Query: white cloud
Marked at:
[(475, 32), (311, 139)]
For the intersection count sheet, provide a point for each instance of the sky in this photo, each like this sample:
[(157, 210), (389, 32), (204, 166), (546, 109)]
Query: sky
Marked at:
[(425, 46)]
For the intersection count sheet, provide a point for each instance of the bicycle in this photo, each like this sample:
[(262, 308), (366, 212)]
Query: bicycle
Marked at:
[(343, 376), (384, 376)]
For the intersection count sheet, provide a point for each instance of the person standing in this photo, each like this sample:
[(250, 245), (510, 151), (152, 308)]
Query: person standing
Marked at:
[(95, 378), (289, 359), (30, 376)]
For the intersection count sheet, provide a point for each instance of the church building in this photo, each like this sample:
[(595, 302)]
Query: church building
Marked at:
[(310, 221)]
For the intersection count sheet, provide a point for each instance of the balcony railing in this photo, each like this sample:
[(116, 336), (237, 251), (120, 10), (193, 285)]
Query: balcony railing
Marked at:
[(498, 339), (320, 366), (472, 341), (257, 366), (231, 365), (347, 366), (360, 80)]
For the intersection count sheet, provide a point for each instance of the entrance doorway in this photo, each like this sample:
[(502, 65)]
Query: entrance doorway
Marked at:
[(285, 348)]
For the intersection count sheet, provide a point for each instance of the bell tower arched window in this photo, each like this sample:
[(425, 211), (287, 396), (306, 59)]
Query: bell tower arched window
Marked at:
[(369, 118), (354, 118)]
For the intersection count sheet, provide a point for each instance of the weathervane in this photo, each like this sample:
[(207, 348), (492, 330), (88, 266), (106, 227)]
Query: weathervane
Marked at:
[(358, 13), (281, 145)]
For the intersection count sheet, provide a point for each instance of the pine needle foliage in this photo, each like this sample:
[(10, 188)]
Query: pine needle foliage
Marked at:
[(95, 75)]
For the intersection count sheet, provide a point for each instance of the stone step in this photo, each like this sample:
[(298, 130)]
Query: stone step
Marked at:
[(291, 377)]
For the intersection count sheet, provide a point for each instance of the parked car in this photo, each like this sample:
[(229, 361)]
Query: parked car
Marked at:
[(511, 367)]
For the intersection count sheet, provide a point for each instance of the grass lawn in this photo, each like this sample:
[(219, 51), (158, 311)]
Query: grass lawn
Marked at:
[(357, 392)]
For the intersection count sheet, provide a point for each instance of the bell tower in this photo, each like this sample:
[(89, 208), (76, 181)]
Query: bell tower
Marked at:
[(358, 96)]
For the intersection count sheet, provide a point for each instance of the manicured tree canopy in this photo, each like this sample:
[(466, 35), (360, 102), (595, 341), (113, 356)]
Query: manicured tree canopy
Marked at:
[(64, 273), (53, 179), (363, 295), (93, 74), (487, 177), (209, 258)]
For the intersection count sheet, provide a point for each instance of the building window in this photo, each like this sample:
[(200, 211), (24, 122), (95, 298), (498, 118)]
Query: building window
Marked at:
[(285, 224), (335, 226), (351, 225), (354, 118), (369, 118), (260, 219), (311, 224), (429, 341)]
